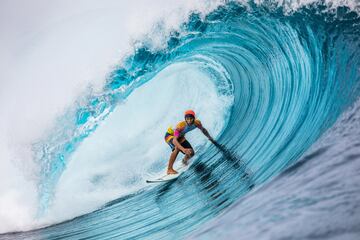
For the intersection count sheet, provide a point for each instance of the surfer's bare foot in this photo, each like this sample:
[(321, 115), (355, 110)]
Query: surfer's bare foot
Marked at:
[(171, 171)]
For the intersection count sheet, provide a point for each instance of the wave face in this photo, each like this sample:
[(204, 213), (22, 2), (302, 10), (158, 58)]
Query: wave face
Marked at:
[(282, 81)]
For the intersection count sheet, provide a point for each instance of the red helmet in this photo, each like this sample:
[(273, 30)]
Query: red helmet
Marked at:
[(189, 113)]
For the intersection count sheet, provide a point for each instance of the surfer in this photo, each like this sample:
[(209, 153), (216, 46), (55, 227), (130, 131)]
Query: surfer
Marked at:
[(177, 142)]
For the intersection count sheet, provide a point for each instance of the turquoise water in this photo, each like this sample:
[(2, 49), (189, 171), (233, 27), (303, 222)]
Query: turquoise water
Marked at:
[(291, 76)]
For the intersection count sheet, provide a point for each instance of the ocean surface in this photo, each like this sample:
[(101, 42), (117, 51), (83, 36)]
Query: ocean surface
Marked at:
[(88, 91)]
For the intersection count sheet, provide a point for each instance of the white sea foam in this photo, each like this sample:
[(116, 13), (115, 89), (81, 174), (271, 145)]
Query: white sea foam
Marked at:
[(291, 6)]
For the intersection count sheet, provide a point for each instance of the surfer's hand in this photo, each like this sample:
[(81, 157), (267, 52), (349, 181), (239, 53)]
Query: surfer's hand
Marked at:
[(188, 151)]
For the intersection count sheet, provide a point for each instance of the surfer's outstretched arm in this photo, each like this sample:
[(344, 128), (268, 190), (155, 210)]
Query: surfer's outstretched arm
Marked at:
[(206, 133)]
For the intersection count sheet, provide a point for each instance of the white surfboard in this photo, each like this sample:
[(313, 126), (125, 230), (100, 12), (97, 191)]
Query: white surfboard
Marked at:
[(169, 177)]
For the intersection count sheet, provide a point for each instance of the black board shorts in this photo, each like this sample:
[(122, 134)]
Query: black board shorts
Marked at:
[(184, 144)]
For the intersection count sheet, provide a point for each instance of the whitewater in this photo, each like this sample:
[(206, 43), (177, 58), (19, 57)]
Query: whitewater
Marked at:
[(88, 90)]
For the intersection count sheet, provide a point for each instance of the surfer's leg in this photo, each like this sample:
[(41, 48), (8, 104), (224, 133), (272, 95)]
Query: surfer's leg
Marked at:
[(187, 157), (186, 144), (174, 153), (172, 159)]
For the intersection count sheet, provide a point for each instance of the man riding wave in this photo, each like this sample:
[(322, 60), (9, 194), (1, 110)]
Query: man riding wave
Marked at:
[(177, 141)]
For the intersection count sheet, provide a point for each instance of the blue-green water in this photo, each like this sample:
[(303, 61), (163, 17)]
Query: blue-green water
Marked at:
[(291, 76)]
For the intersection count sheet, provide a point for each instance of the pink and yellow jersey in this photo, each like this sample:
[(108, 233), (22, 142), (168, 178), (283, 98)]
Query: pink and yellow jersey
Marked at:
[(181, 129)]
